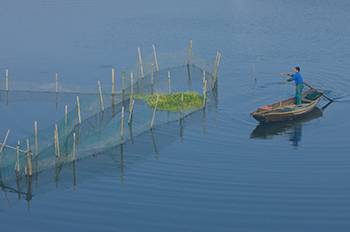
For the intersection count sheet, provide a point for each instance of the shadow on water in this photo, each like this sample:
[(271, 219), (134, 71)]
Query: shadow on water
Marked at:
[(291, 128)]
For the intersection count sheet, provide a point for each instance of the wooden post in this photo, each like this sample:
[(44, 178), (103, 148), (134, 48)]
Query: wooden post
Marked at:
[(204, 89), (140, 63), (123, 80), (131, 84), (131, 109), (56, 82), (155, 58), (29, 160), (17, 166), (154, 112), (65, 116), (123, 87), (169, 82), (102, 107), (189, 53), (122, 124), (7, 80), (74, 155), (152, 73), (216, 67), (55, 139), (57, 143), (113, 82), (3, 145), (78, 107), (36, 141)]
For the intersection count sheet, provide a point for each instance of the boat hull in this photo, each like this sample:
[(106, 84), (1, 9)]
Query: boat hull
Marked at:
[(274, 115)]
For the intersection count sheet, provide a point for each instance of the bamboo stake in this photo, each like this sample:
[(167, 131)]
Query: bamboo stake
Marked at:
[(122, 124), (155, 58), (17, 166), (123, 80), (113, 82), (29, 160), (131, 83), (78, 106), (7, 80), (65, 116), (216, 67), (152, 73), (140, 62), (169, 82), (123, 87), (57, 143), (56, 82), (74, 147), (36, 141), (3, 145), (189, 53), (131, 109), (154, 112), (102, 107), (204, 89)]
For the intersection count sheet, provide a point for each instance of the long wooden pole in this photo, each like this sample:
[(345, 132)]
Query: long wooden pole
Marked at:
[(131, 83), (140, 63), (65, 116), (3, 145), (78, 107), (204, 89), (74, 147), (57, 150), (122, 124), (169, 82), (131, 109), (154, 112), (113, 82), (17, 166), (36, 140), (29, 160), (189, 53), (323, 95), (56, 82), (216, 67), (102, 107), (155, 57), (7, 80), (152, 73)]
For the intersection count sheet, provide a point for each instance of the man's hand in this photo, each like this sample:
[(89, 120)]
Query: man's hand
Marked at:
[(286, 74)]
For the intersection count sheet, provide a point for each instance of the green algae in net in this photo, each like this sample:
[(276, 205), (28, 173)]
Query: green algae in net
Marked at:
[(174, 102)]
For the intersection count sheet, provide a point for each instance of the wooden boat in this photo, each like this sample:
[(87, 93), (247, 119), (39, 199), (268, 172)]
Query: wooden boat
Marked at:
[(287, 110), (269, 130)]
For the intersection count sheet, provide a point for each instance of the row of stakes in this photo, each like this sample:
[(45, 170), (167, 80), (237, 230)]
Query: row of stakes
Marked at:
[(141, 68), (28, 152)]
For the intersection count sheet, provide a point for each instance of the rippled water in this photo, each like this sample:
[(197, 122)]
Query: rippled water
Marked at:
[(220, 172)]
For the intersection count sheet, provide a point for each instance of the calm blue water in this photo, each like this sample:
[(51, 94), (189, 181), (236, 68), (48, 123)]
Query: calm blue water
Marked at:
[(220, 173)]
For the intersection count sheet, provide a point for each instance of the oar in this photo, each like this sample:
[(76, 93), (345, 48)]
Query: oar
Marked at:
[(323, 95)]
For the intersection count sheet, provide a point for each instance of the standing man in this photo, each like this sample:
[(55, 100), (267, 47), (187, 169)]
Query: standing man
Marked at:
[(299, 84)]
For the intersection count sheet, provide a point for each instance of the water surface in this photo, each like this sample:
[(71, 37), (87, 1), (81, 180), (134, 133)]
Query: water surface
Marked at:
[(220, 173)]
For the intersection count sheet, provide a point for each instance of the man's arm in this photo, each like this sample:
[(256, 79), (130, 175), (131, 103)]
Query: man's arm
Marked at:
[(291, 77)]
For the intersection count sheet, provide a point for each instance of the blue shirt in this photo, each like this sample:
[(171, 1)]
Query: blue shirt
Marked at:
[(297, 78)]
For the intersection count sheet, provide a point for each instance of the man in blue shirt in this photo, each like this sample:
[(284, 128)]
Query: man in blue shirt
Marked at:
[(299, 84)]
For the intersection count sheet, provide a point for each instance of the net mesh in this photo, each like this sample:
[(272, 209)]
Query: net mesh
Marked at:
[(91, 128)]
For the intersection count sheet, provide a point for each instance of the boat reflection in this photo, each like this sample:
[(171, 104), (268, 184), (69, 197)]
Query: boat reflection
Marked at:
[(291, 128)]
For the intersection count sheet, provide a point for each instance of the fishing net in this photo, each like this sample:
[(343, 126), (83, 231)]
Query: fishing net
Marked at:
[(102, 121)]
